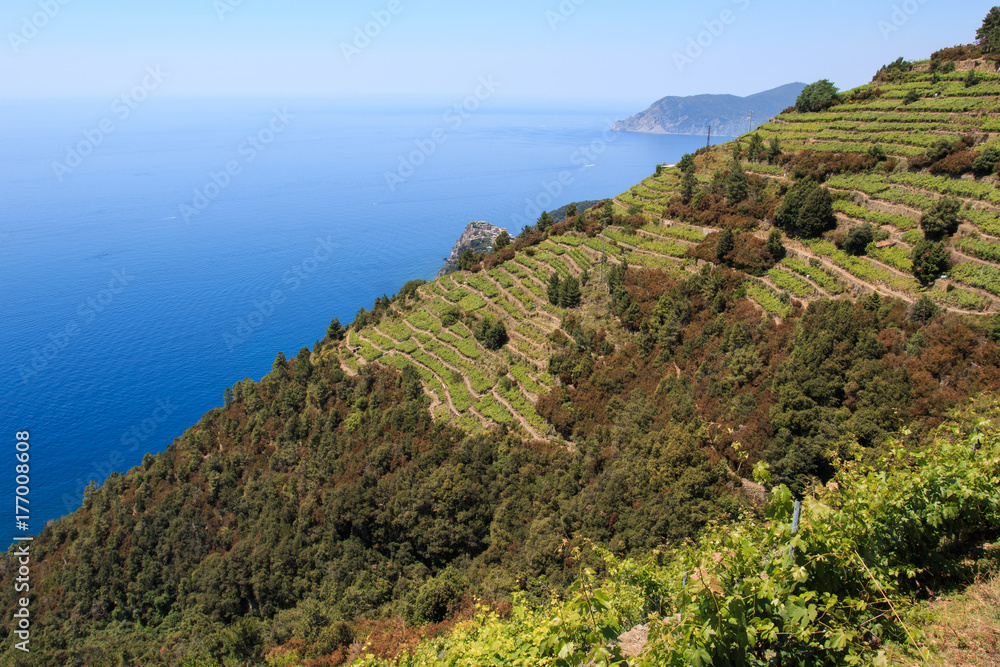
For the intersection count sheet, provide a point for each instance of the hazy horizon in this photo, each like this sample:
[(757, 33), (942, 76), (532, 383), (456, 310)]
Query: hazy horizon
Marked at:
[(564, 52)]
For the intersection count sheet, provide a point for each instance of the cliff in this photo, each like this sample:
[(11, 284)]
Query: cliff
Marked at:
[(478, 237), (728, 115)]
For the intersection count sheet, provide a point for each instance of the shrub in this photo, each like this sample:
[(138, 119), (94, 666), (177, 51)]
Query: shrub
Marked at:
[(450, 316), (858, 239), (955, 164), (930, 259), (941, 219), (492, 334), (817, 97)]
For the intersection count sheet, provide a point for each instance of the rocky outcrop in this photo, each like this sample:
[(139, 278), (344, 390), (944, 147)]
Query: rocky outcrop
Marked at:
[(478, 237)]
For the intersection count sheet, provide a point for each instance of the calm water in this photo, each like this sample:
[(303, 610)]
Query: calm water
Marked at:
[(172, 256)]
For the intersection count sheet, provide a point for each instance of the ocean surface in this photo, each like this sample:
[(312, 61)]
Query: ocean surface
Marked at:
[(152, 256)]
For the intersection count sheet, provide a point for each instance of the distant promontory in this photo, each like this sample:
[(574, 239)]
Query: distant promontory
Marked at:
[(728, 115)]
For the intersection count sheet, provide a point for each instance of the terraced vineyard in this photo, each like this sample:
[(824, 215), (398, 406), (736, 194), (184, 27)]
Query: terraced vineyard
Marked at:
[(480, 389), (891, 196)]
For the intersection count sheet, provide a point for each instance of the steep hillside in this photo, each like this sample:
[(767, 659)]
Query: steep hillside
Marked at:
[(728, 115), (576, 407)]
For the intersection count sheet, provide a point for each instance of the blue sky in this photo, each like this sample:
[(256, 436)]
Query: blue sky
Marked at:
[(627, 52)]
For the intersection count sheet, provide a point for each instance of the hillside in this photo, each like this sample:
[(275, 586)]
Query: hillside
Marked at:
[(728, 115), (524, 459)]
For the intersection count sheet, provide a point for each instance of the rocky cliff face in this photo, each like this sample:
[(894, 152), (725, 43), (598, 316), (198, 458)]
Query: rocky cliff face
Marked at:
[(478, 237)]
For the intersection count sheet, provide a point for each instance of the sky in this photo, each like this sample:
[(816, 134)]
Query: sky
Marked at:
[(622, 53)]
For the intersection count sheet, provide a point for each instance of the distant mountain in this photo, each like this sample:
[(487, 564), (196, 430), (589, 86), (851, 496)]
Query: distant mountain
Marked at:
[(729, 115)]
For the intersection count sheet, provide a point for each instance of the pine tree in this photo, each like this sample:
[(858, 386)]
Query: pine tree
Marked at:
[(554, 288), (773, 150), (817, 214), (545, 221), (688, 185), (756, 147), (736, 184), (569, 293), (774, 245), (989, 34), (725, 244)]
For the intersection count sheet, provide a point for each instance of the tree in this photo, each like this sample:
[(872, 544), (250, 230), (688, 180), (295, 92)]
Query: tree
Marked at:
[(786, 216), (817, 214), (466, 260), (756, 147), (988, 35), (923, 310), (986, 161), (775, 246), (858, 239), (335, 331), (545, 221), (686, 165), (941, 219), (930, 259), (816, 96), (736, 184), (688, 185), (227, 397), (972, 79), (659, 170), (569, 293), (501, 241), (724, 245), (491, 333), (773, 150), (571, 210), (553, 289), (807, 210)]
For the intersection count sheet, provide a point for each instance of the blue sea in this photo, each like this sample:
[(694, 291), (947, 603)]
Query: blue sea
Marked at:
[(153, 256)]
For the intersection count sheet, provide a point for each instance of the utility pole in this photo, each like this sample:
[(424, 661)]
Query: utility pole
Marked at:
[(708, 144), (750, 129)]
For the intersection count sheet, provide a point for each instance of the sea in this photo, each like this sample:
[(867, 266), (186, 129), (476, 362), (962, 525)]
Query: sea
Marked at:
[(154, 252)]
